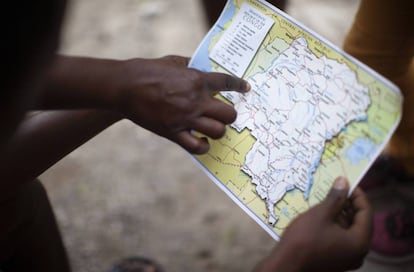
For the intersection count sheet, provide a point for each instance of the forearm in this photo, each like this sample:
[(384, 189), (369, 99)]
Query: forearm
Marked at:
[(79, 83), (44, 138)]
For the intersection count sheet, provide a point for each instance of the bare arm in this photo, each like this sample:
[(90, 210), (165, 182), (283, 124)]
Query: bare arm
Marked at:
[(80, 83), (44, 138), (162, 95)]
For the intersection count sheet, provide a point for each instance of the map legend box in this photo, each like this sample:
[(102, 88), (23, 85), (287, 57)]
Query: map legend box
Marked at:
[(239, 44)]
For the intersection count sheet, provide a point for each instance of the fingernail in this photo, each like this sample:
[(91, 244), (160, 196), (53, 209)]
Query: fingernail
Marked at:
[(248, 86), (340, 184), (205, 146)]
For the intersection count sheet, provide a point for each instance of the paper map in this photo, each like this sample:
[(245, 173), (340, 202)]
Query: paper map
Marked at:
[(314, 113)]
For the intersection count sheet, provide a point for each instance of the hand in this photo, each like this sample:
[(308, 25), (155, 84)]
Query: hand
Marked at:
[(332, 236), (170, 99)]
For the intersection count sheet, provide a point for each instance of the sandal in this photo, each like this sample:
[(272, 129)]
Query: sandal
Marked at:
[(393, 236)]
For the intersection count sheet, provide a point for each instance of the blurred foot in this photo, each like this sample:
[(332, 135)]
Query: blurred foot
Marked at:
[(388, 187), (393, 238)]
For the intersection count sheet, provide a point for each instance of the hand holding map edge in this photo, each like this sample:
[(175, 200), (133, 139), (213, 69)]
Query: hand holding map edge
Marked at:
[(317, 241)]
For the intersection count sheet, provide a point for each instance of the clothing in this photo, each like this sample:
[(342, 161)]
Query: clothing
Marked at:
[(382, 36), (29, 235)]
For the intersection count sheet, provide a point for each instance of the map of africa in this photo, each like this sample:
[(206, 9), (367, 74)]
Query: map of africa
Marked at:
[(314, 113)]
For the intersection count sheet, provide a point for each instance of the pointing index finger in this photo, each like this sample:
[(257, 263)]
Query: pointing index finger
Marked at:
[(217, 82)]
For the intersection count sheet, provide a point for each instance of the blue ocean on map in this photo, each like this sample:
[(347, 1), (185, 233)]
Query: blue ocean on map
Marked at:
[(201, 60), (361, 149)]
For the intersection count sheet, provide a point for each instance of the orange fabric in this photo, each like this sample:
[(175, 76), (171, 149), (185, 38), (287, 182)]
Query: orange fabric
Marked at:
[(382, 36)]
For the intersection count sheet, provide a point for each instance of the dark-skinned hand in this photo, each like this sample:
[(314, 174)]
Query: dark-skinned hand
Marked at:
[(331, 236), (166, 97)]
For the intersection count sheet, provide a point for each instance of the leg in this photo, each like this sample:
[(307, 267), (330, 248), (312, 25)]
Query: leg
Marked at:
[(213, 8), (382, 36), (29, 235)]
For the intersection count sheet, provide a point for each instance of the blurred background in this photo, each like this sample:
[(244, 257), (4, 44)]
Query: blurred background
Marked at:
[(128, 192)]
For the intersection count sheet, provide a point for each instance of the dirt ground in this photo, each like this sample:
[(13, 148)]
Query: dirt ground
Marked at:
[(128, 192)]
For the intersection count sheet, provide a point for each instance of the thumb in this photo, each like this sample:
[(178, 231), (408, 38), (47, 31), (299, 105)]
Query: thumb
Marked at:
[(336, 198)]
